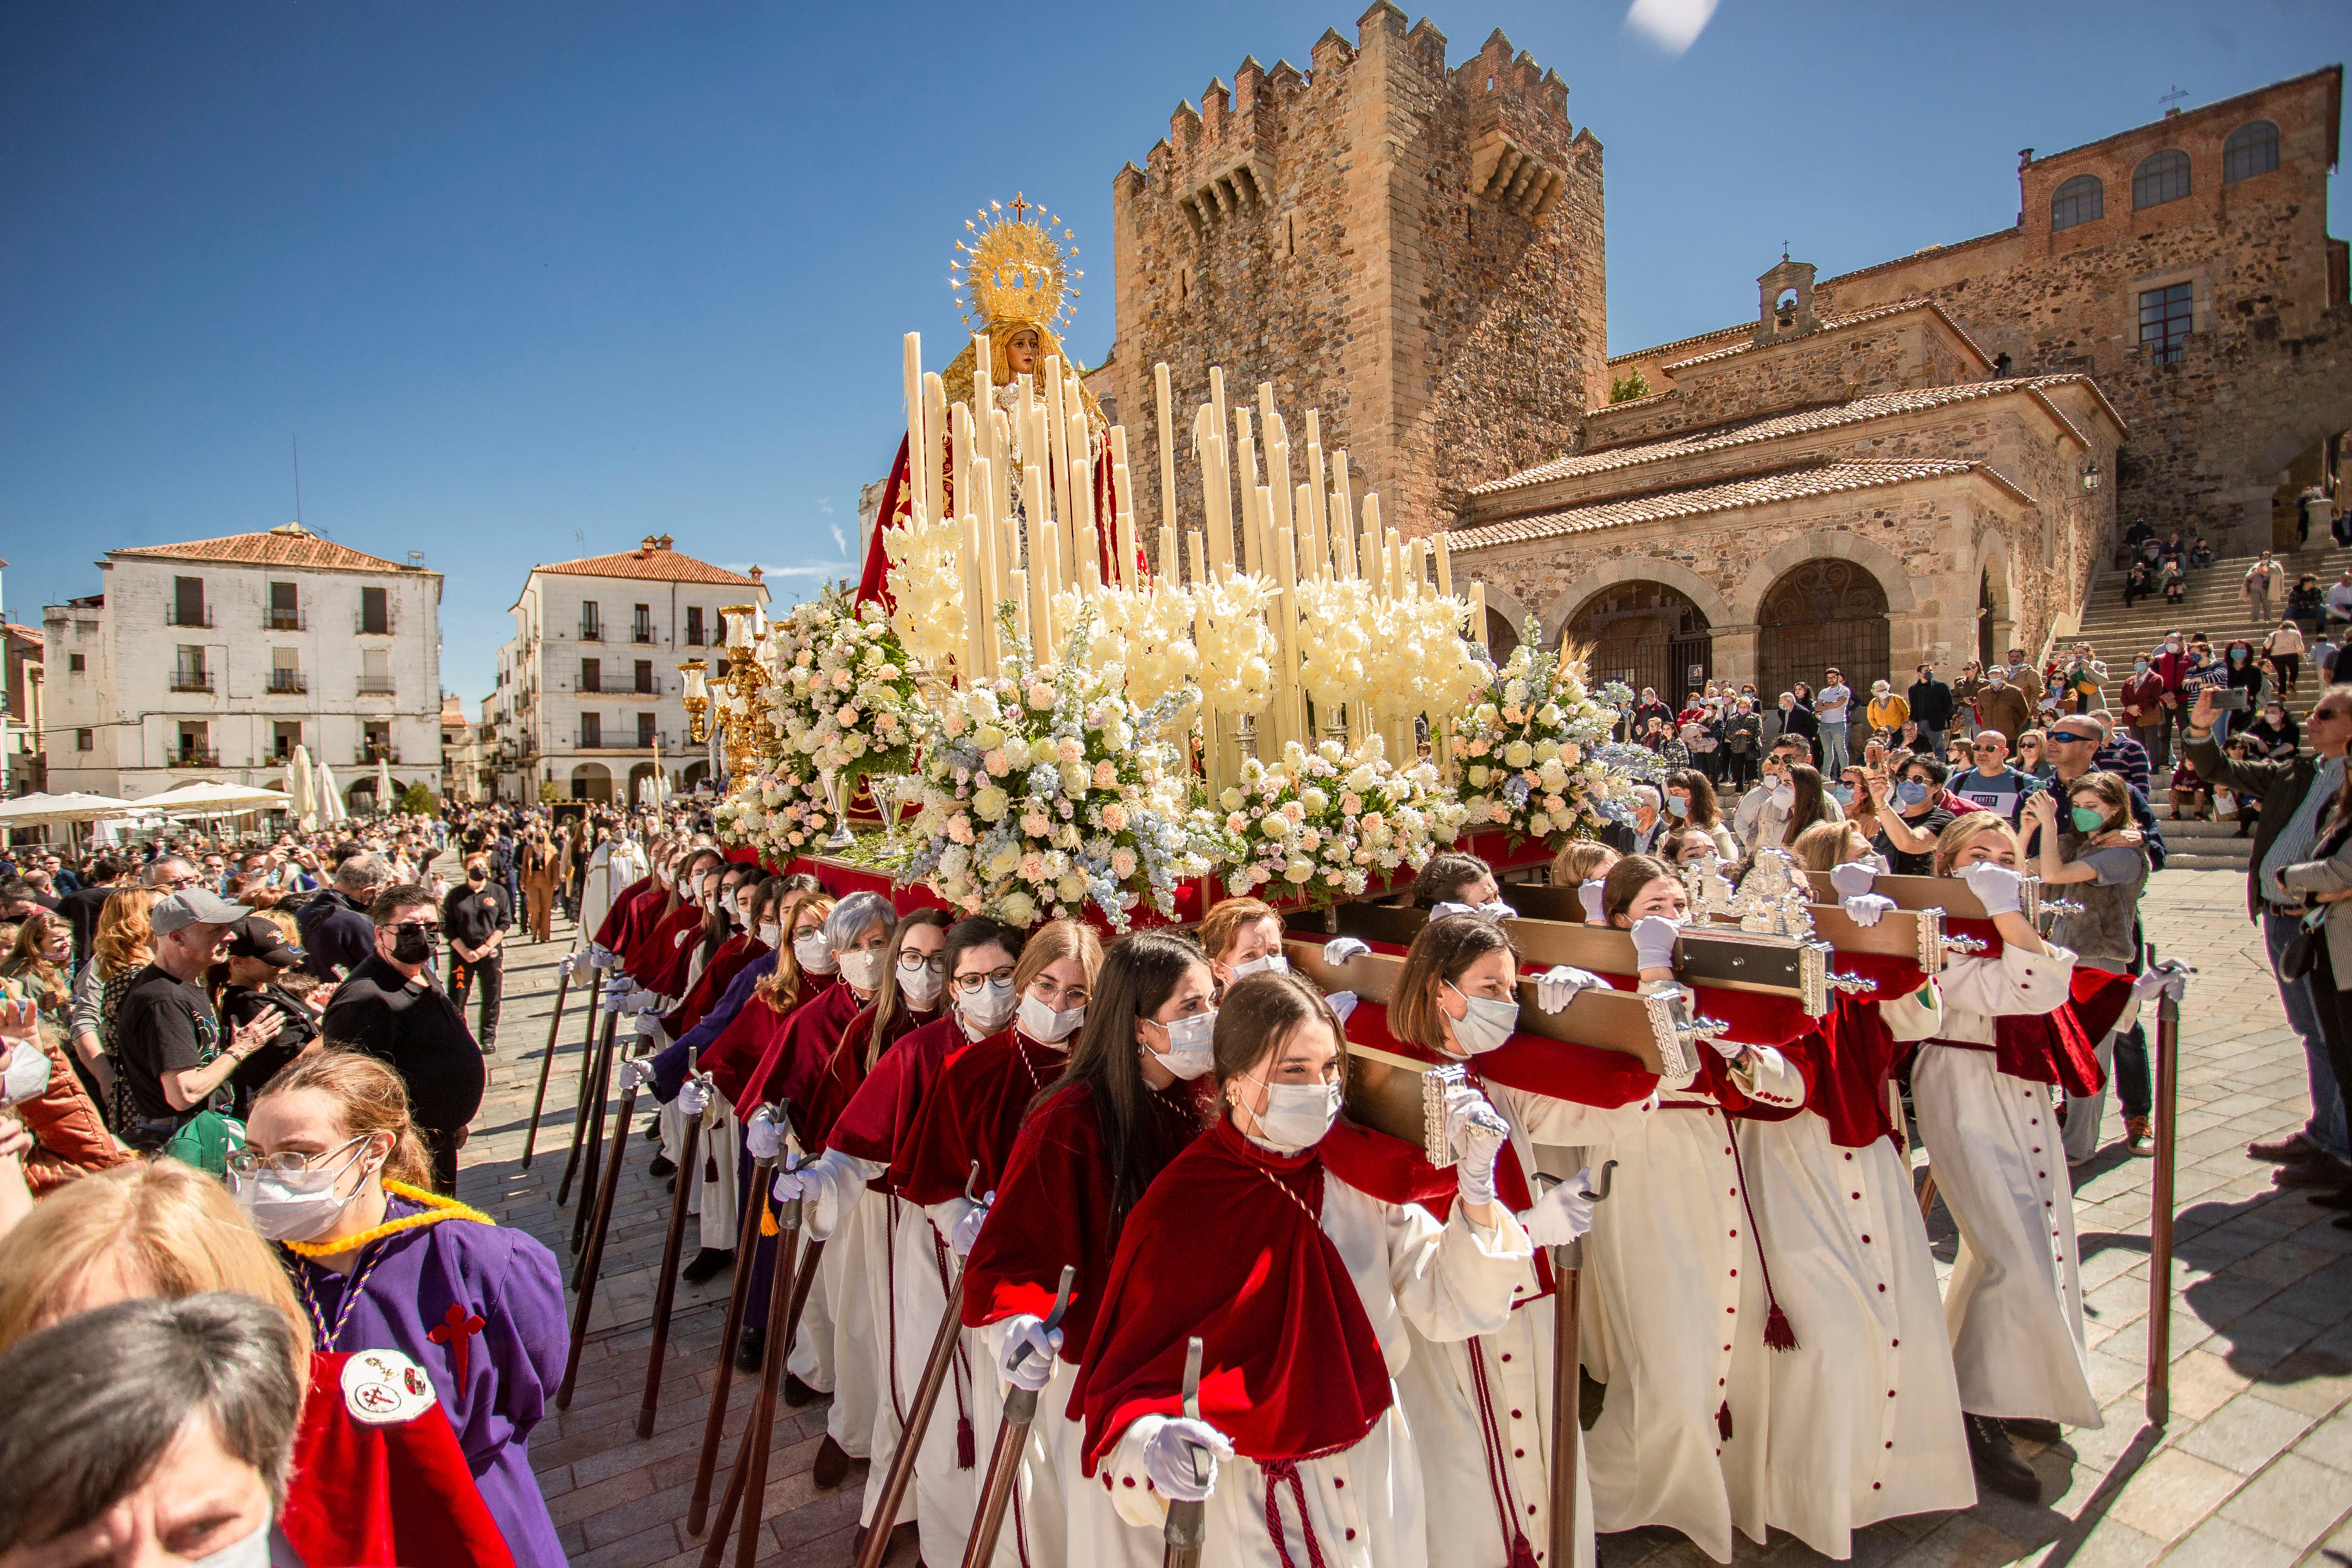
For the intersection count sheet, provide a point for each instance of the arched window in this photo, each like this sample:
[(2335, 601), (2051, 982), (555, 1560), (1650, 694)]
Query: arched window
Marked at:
[(2079, 200), (2251, 148), (2162, 177)]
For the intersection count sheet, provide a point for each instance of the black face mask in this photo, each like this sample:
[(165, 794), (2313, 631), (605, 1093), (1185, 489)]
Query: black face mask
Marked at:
[(412, 947)]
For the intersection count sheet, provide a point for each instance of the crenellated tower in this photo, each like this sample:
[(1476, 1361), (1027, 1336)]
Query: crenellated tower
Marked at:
[(1414, 251)]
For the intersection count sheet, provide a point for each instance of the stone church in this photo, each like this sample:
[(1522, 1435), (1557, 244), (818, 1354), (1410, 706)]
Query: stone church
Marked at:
[(1925, 460)]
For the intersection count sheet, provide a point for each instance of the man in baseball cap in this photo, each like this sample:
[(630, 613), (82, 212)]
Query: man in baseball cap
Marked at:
[(168, 1041), (193, 906), (257, 936)]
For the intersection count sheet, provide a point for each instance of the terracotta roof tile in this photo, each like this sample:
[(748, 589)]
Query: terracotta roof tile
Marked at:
[(290, 545), (1768, 428), (1827, 324), (1730, 495), (655, 564)]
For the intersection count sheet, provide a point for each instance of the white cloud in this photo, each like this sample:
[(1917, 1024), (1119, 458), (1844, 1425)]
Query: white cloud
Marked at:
[(825, 505), (840, 539), (1674, 26)]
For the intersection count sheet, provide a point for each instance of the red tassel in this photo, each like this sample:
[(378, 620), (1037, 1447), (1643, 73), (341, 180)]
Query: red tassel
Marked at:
[(1522, 1555), (1723, 1420), (967, 1451), (1778, 1334)]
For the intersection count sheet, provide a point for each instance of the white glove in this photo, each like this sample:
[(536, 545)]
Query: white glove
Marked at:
[(1563, 983), (1024, 1331), (1171, 1452), (640, 1003), (693, 1095), (650, 1026), (1997, 887), (636, 1072), (1340, 949), (1653, 941), (1865, 909), (2168, 977), (966, 1233), (600, 957), (563, 965), (1564, 1214), (1851, 877), (1589, 895), (1439, 911), (1343, 1002), (1476, 1131), (1730, 1050), (764, 1137)]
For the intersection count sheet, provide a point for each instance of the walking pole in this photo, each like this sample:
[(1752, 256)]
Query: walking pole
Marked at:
[(592, 1146), (2160, 1252), (1567, 1427), (547, 1062), (583, 1278), (1012, 1437), (760, 1436), (666, 1291), (1187, 1524), (698, 1511), (811, 1256), (919, 1417), (586, 1090)]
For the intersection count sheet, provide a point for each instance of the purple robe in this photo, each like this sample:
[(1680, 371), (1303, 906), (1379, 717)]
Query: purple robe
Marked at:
[(511, 1361)]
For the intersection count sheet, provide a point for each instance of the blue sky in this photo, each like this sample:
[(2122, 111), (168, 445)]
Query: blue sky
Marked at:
[(531, 281)]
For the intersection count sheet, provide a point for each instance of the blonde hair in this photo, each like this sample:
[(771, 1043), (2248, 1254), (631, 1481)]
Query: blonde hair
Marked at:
[(1574, 865), (1221, 927), (372, 1099), (173, 1230), (781, 989), (124, 940), (1955, 837), (1820, 847), (1052, 942)]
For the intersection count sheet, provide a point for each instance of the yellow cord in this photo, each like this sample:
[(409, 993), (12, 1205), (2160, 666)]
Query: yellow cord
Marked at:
[(437, 1208)]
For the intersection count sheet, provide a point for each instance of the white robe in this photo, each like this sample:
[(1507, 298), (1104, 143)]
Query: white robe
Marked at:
[(1365, 1504), (944, 1495), (1468, 1484), (2014, 1307), (855, 1274), (1863, 1418), (1673, 1313)]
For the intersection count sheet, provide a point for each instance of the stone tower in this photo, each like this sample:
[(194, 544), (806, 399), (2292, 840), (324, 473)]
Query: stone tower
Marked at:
[(1414, 251)]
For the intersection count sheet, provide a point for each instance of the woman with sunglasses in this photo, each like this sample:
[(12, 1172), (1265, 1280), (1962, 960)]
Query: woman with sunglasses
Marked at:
[(333, 1171)]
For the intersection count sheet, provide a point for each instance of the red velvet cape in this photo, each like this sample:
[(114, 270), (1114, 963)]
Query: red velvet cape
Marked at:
[(844, 1070), (637, 926), (1847, 1062), (669, 951), (616, 914), (973, 1112), (2062, 1047), (793, 1064), (880, 1117), (732, 1060), (396, 1493), (1290, 1367), (717, 975)]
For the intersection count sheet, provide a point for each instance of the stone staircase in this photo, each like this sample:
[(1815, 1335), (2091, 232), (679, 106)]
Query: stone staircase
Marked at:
[(2201, 845)]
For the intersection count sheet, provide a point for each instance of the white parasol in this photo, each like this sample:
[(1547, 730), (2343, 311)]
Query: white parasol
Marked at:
[(331, 799), (383, 784), (298, 787)]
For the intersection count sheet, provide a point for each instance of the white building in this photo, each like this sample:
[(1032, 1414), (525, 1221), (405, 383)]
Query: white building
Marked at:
[(216, 659), (588, 687)]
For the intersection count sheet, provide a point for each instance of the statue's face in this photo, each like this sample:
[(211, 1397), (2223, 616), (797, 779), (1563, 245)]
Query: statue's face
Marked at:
[(1020, 353)]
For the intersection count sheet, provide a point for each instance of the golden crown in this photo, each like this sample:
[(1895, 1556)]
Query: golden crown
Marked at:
[(1010, 269)]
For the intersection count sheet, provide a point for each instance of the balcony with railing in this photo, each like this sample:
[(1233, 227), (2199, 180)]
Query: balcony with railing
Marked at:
[(287, 683), (277, 620), (186, 680), (194, 757), (188, 616), (371, 753), (375, 686), (590, 629)]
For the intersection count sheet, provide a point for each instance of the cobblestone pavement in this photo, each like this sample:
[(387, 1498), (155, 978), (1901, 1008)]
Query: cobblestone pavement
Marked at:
[(2254, 1469)]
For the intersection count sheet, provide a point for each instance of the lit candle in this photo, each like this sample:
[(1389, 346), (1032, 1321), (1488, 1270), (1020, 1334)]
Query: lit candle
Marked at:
[(1167, 459)]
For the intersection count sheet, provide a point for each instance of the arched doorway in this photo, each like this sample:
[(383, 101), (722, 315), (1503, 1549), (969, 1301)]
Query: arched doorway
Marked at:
[(641, 786), (593, 781), (692, 779), (1824, 614), (1644, 634), (1502, 637)]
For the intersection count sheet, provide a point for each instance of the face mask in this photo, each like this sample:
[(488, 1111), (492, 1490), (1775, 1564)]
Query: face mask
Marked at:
[(1678, 806), (2140, 667), (1842, 794), (1910, 791), (295, 1205), (412, 947), (2173, 643), (1044, 1026), (1487, 1025), (864, 970), (1267, 964), (1190, 1051), (253, 1552), (28, 1076), (1297, 1115), (770, 933), (1498, 910), (815, 956), (2237, 656), (921, 986), (1783, 797), (2087, 820), (986, 1008)]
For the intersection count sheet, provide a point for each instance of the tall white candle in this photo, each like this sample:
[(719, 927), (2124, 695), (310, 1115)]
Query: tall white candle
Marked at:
[(1252, 554), (1343, 517), (1302, 507), (1167, 457), (1478, 613), (913, 371)]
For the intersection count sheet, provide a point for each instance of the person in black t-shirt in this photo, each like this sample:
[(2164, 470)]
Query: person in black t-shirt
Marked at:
[(1910, 813), (394, 1009), (474, 917), (167, 1040), (258, 957)]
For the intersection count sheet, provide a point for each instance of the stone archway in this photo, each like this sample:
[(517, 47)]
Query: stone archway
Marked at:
[(1644, 634), (692, 779), (1696, 589), (593, 781), (1820, 614)]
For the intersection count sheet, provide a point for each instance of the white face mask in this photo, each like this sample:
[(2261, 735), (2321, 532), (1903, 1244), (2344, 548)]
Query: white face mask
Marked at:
[(815, 956), (1264, 963), (252, 1552), (770, 933), (985, 1010), (295, 1205), (1487, 1023), (864, 970), (1044, 1026), (920, 986), (1783, 796), (28, 1075), (1497, 909), (1297, 1115), (1192, 1049)]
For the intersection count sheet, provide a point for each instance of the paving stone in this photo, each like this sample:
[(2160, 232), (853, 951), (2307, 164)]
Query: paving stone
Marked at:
[(2245, 1433), (2293, 1502)]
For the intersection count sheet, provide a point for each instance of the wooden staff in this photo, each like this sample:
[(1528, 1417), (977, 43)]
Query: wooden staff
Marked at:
[(1187, 1524), (591, 1135), (2160, 1230), (751, 1468), (580, 1095), (919, 1416), (811, 1256), (547, 1062), (697, 1509), (666, 1291), (1567, 1429), (1012, 1437), (591, 1261)]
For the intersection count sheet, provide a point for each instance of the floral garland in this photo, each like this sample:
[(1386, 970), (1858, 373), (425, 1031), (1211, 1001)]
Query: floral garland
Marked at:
[(1532, 749), (1048, 789), (1318, 826)]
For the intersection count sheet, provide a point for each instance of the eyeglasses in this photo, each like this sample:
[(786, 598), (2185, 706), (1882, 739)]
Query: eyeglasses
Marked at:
[(246, 1163), (2073, 738), (423, 928), (969, 985), (2319, 713), (936, 962), (1068, 996), (1986, 746)]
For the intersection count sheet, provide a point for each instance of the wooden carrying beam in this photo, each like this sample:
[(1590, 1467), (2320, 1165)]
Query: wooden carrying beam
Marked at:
[(1945, 895)]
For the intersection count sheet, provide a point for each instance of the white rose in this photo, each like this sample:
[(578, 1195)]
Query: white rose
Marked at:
[(989, 803), (1478, 774), (1018, 908), (1072, 887), (1519, 753)]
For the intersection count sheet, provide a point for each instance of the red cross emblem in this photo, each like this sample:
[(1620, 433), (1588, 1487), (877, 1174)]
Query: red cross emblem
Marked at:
[(378, 1397), (453, 1330)]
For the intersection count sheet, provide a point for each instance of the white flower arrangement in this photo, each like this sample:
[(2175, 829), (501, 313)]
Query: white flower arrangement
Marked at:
[(1237, 648), (842, 693), (1048, 789), (1318, 826), (1531, 750), (1144, 636), (782, 814), (926, 580)]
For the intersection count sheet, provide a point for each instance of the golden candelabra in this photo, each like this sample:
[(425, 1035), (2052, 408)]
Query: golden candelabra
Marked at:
[(697, 700)]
